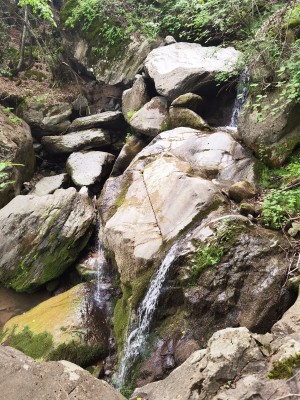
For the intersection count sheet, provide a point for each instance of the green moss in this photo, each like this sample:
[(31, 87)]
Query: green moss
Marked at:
[(121, 317), (33, 345), (285, 369), (173, 324), (77, 353), (130, 114), (38, 75), (139, 286), (166, 125)]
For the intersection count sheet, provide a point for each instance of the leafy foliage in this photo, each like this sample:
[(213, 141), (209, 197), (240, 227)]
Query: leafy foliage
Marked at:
[(279, 206), (40, 7), (4, 175), (282, 202)]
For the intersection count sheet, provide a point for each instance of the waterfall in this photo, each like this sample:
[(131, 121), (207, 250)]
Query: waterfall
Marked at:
[(242, 93), (100, 262), (137, 337)]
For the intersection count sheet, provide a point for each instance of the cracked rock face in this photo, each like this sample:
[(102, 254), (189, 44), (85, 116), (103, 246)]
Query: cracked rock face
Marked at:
[(166, 188), (51, 380)]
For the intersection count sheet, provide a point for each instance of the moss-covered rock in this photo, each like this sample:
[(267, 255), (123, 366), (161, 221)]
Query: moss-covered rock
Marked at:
[(69, 326), (41, 236)]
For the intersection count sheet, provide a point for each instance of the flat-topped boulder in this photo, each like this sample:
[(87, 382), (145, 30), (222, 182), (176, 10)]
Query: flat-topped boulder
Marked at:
[(88, 168), (83, 140), (108, 119), (49, 184), (188, 67)]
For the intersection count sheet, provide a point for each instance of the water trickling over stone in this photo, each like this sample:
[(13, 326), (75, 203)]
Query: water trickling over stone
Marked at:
[(136, 339), (242, 93), (100, 263)]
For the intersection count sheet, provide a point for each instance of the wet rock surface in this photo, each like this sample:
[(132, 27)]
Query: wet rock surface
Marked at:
[(51, 380)]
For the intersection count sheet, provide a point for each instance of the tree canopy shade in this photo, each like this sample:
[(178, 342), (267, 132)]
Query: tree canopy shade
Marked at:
[(41, 7)]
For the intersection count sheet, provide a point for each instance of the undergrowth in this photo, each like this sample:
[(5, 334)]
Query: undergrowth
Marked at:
[(281, 203)]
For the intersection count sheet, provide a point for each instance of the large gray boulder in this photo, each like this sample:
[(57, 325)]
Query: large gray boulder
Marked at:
[(273, 138), (237, 365), (16, 147), (188, 67), (46, 119), (21, 375), (89, 168), (170, 177), (230, 352), (41, 236), (83, 140), (118, 66), (152, 118), (219, 292)]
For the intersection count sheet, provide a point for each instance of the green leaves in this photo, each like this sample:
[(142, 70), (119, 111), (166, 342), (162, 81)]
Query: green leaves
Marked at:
[(279, 206), (40, 7), (4, 175)]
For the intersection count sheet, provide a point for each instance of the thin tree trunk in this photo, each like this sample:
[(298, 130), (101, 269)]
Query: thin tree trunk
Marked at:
[(23, 40)]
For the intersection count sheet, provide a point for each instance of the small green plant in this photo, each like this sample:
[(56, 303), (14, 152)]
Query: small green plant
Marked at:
[(211, 252), (4, 175), (279, 206), (285, 369), (12, 117)]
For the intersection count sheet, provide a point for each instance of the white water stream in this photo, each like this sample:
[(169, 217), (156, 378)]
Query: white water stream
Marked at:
[(136, 339), (100, 263), (242, 93)]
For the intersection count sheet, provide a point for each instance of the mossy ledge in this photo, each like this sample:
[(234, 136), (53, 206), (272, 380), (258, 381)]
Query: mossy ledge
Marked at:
[(41, 347)]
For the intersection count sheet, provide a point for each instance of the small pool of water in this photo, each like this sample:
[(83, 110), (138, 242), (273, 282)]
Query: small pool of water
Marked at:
[(12, 303)]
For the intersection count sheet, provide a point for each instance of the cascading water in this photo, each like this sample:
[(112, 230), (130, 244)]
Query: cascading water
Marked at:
[(137, 337), (100, 262), (242, 93)]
